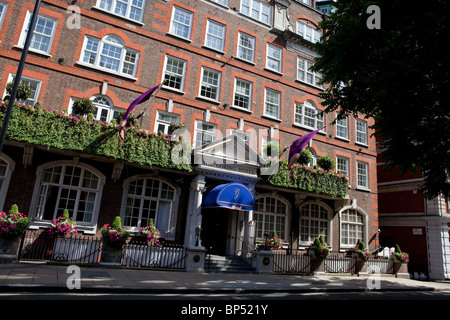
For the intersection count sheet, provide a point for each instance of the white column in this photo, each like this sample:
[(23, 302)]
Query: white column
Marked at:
[(438, 248), (249, 227), (194, 214)]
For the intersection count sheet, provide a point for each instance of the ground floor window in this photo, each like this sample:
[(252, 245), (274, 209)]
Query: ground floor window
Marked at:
[(352, 227), (75, 187), (314, 221), (7, 166), (149, 199), (271, 214)]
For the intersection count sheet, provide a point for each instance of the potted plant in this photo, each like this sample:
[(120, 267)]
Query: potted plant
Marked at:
[(63, 226), (114, 238), (401, 260), (362, 253), (400, 256), (319, 249), (151, 233), (83, 106), (326, 162), (12, 226), (274, 242), (362, 256), (24, 91)]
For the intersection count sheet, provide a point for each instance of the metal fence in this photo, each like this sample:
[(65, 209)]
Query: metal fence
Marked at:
[(380, 265), (37, 245), (138, 255), (283, 263), (339, 264)]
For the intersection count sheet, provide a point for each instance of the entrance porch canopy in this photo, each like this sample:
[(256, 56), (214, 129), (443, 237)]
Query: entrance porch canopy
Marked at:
[(235, 196)]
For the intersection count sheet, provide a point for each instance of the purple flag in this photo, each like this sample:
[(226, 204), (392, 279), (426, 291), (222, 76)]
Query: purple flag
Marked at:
[(142, 98), (298, 145)]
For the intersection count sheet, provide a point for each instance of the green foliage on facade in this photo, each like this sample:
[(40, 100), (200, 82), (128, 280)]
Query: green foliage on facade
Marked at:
[(55, 129), (308, 179)]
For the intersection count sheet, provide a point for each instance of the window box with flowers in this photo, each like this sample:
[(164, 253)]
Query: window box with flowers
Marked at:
[(114, 238), (12, 226)]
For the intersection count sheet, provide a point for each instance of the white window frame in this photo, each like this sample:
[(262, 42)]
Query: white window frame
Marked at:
[(212, 38), (361, 132), (271, 219), (358, 228), (311, 222), (342, 127), (221, 2), (343, 165), (362, 175), (274, 63), (5, 177), (305, 75), (308, 32), (37, 33), (114, 6), (208, 86), (246, 47), (88, 227), (4, 8), (242, 94), (303, 116), (109, 107), (211, 131), (271, 104), (167, 232), (178, 78), (255, 10), (163, 122), (98, 53), (178, 27), (35, 88)]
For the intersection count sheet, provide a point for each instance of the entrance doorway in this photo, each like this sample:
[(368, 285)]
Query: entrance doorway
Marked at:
[(215, 230)]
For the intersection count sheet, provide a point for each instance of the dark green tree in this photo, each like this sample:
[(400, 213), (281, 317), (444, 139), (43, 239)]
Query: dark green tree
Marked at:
[(398, 75)]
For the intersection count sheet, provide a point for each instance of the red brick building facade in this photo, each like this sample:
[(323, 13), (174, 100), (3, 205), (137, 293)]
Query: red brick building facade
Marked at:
[(232, 66)]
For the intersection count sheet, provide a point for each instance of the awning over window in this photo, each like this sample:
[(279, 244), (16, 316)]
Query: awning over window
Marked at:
[(233, 195)]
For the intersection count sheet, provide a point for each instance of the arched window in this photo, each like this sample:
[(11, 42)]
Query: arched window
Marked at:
[(353, 228), (307, 115), (271, 214), (105, 111), (149, 198), (7, 166), (62, 185), (314, 221), (109, 54)]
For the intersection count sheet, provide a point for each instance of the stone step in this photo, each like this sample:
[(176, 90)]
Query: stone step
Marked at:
[(215, 263)]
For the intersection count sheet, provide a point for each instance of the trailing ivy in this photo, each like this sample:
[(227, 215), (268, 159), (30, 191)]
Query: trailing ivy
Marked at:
[(308, 179), (55, 129)]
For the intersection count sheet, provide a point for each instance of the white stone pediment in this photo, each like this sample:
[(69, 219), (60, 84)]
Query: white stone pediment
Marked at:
[(230, 150)]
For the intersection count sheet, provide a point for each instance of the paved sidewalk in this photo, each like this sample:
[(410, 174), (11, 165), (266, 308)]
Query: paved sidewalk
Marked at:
[(40, 277)]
